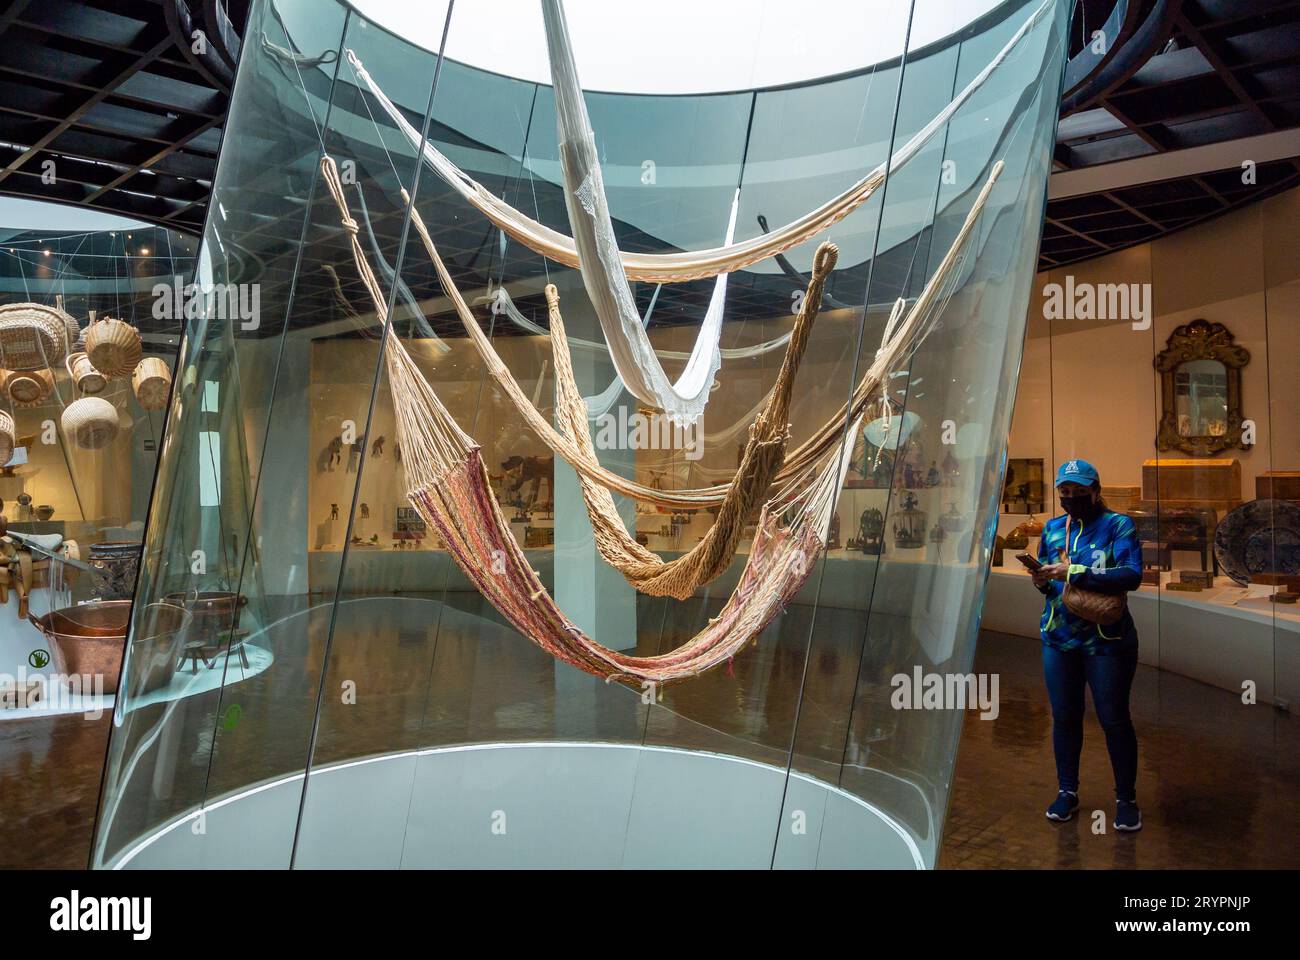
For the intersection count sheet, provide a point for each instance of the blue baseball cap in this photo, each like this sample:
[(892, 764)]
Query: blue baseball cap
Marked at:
[(1077, 471)]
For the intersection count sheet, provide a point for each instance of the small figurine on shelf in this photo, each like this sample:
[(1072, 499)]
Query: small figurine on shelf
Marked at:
[(909, 524), (334, 511), (365, 511), (953, 521), (335, 451), (871, 531), (910, 479), (833, 538), (951, 470), (932, 475), (377, 448)]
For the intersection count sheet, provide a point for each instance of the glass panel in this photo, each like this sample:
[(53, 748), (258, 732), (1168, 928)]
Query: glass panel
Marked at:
[(238, 566), (436, 730), (924, 498)]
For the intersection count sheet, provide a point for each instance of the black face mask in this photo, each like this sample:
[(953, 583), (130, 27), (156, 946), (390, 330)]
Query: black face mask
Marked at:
[(1079, 506)]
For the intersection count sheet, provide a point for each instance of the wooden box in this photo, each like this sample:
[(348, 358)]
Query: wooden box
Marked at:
[(1202, 578), (1121, 499), (1192, 483), (1278, 485)]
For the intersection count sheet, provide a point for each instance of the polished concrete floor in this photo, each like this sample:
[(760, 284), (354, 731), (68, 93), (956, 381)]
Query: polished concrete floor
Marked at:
[(1219, 781)]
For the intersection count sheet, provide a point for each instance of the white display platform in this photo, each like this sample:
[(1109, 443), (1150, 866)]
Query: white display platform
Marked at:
[(537, 805), (1223, 636), (18, 639)]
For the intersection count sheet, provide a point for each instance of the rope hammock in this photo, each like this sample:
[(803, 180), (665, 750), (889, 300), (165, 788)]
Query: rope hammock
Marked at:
[(763, 456), (687, 265), (600, 262), (900, 335), (448, 484)]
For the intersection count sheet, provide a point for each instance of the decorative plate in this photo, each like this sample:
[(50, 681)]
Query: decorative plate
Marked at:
[(1261, 536)]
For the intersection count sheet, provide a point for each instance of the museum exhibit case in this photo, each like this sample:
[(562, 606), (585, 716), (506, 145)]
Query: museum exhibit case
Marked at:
[(1202, 370), (598, 458), (87, 348)]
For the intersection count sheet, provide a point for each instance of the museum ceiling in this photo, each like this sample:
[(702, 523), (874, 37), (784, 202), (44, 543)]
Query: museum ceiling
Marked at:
[(114, 94)]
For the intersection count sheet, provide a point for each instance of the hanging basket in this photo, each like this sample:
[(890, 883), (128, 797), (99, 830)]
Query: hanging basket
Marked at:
[(88, 380), (8, 439), (113, 347), (72, 330), (27, 388), (32, 335), (91, 422), (152, 382)]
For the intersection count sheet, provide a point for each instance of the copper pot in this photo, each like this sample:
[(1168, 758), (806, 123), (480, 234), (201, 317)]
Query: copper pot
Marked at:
[(214, 611), (89, 639)]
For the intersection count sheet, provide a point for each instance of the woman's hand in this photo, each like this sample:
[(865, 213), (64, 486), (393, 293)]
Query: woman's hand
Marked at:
[(1051, 571)]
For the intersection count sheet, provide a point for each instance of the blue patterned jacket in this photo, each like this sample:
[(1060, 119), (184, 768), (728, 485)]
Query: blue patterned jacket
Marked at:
[(1105, 556)]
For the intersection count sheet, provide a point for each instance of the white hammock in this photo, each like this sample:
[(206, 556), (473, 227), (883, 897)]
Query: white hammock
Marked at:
[(687, 265), (599, 260)]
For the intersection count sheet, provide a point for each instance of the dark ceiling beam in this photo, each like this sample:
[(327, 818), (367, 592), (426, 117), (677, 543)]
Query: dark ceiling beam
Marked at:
[(139, 64), (1222, 69), (1062, 225), (10, 16), (1134, 211), (151, 161)]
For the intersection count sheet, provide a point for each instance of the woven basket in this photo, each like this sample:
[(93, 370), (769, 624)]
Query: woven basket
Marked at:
[(113, 347), (91, 422), (88, 380), (28, 388), (32, 335), (7, 437), (72, 330), (152, 381)]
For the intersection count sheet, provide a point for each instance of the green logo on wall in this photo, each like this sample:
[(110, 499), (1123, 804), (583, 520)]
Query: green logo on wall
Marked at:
[(230, 718), (38, 658)]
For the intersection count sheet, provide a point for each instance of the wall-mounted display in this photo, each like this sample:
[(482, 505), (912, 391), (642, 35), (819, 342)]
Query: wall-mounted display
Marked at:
[(1200, 389)]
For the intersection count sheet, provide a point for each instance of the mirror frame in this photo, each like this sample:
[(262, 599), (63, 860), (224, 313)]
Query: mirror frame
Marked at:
[(1200, 340)]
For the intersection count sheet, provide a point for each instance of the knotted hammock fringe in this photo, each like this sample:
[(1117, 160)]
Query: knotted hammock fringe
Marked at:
[(448, 484), (698, 264), (901, 335)]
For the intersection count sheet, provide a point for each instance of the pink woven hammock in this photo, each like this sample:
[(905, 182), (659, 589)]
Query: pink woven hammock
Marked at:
[(448, 484), (460, 505)]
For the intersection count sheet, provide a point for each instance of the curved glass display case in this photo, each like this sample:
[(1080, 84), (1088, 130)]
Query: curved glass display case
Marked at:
[(78, 445), (376, 708)]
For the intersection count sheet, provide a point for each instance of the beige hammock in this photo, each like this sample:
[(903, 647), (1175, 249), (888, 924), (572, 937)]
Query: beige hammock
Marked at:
[(763, 454), (900, 335), (697, 264), (448, 484)]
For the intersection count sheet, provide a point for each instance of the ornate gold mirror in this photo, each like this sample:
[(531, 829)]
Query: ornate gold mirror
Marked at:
[(1200, 389)]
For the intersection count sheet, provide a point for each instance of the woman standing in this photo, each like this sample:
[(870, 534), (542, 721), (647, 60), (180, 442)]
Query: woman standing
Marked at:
[(1093, 548)]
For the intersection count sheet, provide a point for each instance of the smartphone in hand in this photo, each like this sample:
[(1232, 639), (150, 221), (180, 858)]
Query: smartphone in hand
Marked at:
[(1030, 562)]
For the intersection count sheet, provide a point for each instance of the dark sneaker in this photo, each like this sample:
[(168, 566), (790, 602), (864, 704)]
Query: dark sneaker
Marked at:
[(1064, 807), (1127, 816)]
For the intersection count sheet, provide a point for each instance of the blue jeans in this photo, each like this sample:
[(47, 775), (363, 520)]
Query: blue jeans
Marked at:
[(1111, 678)]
